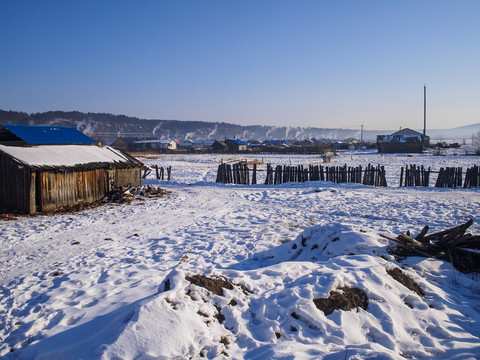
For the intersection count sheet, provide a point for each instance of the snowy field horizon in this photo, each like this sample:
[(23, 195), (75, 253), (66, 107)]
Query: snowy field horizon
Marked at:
[(111, 282)]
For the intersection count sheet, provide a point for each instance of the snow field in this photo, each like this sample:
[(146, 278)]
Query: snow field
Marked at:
[(92, 284)]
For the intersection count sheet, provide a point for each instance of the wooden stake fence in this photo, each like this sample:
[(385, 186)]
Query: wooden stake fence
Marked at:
[(472, 177), (159, 172), (374, 176), (410, 175), (239, 174), (449, 177), (414, 175)]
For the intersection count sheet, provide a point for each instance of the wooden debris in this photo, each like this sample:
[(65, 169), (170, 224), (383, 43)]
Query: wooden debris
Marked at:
[(454, 245)]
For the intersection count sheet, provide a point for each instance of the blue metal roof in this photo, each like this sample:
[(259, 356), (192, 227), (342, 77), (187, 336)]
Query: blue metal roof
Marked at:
[(238, 142), (49, 134)]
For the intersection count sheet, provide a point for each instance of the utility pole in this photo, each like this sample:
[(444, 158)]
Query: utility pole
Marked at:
[(424, 111), (361, 135)]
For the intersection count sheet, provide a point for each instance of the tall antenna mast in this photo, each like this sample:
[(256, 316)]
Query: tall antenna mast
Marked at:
[(424, 111)]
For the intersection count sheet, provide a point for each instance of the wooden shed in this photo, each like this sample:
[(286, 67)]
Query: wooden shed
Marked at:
[(47, 177)]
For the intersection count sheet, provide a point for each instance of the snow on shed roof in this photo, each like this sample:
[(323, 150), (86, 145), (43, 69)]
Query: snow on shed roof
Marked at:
[(49, 134), (64, 156)]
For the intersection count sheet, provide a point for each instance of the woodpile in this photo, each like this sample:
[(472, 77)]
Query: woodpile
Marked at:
[(127, 195), (454, 245)]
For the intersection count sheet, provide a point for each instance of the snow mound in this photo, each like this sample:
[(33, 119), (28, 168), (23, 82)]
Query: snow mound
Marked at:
[(321, 243), (264, 308)]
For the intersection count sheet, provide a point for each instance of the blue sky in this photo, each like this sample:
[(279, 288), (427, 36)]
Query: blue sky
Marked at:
[(287, 63)]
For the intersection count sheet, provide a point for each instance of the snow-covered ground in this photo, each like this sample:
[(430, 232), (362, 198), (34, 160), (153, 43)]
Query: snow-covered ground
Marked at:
[(110, 282)]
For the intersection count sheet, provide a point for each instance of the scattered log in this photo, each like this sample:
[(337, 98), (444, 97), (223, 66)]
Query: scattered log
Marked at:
[(423, 232), (146, 172), (453, 245)]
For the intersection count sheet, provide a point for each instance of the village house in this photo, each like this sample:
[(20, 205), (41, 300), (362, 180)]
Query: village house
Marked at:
[(203, 144), (219, 146), (187, 145), (402, 141), (254, 146), (307, 143), (125, 144), (278, 143), (235, 145), (44, 168), (155, 144)]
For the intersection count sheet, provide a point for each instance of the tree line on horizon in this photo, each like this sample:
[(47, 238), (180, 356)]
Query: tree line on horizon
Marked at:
[(108, 127)]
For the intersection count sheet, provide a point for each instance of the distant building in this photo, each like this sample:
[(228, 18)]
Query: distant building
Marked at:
[(219, 147), (203, 144), (340, 145), (187, 145), (125, 144), (278, 143), (254, 146), (305, 143), (235, 145), (155, 144), (403, 141)]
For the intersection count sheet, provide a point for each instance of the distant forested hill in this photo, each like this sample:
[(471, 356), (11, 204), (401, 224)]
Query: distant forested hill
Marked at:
[(109, 127)]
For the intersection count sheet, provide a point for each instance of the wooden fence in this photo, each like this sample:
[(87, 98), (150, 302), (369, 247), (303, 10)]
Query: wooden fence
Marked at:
[(448, 177), (472, 177), (159, 172), (236, 174), (240, 174), (410, 175), (414, 175)]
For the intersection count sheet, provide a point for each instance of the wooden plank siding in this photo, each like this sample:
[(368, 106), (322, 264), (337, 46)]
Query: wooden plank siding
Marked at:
[(27, 191), (15, 185), (128, 177), (69, 188)]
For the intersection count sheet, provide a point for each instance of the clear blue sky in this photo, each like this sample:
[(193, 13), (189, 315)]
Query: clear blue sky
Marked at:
[(295, 63)]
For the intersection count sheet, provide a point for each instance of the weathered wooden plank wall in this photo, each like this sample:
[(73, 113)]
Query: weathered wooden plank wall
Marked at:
[(15, 185), (128, 177), (68, 188)]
